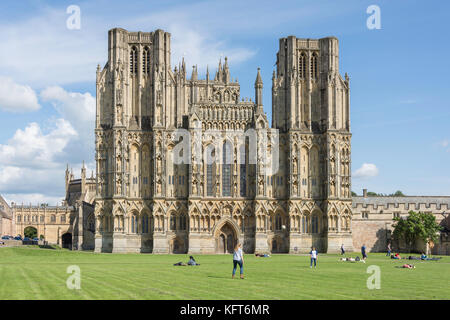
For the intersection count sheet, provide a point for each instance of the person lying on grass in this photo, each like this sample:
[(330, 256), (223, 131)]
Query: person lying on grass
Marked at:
[(191, 262)]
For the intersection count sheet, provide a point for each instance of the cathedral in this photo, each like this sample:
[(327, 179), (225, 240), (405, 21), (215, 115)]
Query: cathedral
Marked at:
[(187, 165)]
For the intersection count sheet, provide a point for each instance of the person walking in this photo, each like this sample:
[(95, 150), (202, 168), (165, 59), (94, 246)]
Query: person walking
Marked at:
[(313, 255), (389, 249), (342, 249), (363, 252), (238, 259)]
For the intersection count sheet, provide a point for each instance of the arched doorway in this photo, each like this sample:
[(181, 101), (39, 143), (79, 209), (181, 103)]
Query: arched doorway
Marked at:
[(30, 232), (66, 240), (226, 239)]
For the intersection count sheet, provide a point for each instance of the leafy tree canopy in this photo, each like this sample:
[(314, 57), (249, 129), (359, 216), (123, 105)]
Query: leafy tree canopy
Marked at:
[(417, 225)]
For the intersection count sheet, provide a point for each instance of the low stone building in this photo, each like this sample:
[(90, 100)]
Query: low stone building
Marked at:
[(70, 225), (373, 219), (6, 219)]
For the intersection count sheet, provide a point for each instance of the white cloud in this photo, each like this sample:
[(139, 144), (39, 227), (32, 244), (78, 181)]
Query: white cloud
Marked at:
[(200, 49), (30, 161), (444, 143), (367, 170), (79, 110), (15, 97), (32, 148), (32, 198)]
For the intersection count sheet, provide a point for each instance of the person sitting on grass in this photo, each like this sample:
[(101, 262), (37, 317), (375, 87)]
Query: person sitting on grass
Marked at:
[(396, 256), (192, 262)]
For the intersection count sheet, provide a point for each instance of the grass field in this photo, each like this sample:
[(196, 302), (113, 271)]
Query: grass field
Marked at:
[(31, 273)]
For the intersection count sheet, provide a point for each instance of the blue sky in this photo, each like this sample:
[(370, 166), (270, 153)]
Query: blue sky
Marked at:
[(398, 78)]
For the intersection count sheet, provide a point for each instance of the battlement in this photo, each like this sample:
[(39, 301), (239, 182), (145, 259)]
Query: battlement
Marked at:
[(407, 203)]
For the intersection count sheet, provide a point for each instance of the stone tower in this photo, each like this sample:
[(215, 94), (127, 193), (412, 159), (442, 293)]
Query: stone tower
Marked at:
[(310, 106), (147, 201)]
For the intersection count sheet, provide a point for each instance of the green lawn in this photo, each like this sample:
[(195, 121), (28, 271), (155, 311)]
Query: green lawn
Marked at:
[(29, 273)]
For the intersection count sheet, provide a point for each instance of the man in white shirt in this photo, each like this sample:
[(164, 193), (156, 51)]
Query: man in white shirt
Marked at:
[(313, 255)]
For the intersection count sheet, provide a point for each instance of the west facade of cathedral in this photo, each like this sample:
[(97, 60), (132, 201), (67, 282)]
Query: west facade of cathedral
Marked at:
[(279, 187)]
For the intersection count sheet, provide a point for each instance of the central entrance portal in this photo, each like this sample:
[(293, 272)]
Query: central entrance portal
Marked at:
[(226, 239)]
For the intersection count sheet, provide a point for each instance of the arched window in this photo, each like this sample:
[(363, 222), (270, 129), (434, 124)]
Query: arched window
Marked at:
[(63, 218), (278, 222), (313, 67), (146, 61), (144, 223), (210, 170), (134, 223), (226, 169), (19, 218), (133, 60), (302, 66), (315, 224), (182, 222), (243, 169), (53, 218)]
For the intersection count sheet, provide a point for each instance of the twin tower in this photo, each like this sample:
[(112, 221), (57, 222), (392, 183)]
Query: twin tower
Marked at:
[(147, 201)]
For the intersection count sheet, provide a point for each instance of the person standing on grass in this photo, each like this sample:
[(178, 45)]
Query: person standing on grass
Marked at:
[(342, 250), (388, 249), (238, 259), (313, 255), (363, 252)]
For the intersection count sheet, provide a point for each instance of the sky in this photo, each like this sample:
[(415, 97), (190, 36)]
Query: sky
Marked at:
[(399, 84)]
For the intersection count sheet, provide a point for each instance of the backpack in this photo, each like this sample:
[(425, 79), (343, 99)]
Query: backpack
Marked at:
[(357, 258)]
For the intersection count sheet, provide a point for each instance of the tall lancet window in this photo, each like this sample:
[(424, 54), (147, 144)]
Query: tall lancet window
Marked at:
[(302, 66), (243, 169), (226, 169), (133, 60), (210, 170), (146, 61), (314, 66)]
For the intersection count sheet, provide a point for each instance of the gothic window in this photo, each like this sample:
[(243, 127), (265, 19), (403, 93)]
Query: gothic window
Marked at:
[(42, 219), (63, 218), (53, 218), (19, 218), (243, 170), (315, 224), (183, 222), (302, 66), (226, 169), (278, 222), (146, 61), (144, 223), (313, 67), (133, 60), (134, 222)]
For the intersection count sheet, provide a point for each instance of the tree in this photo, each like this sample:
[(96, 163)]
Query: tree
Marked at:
[(30, 232), (398, 193), (417, 225), (354, 194)]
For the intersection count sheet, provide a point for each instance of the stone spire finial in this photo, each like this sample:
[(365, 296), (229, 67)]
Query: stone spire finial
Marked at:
[(194, 75), (258, 80)]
